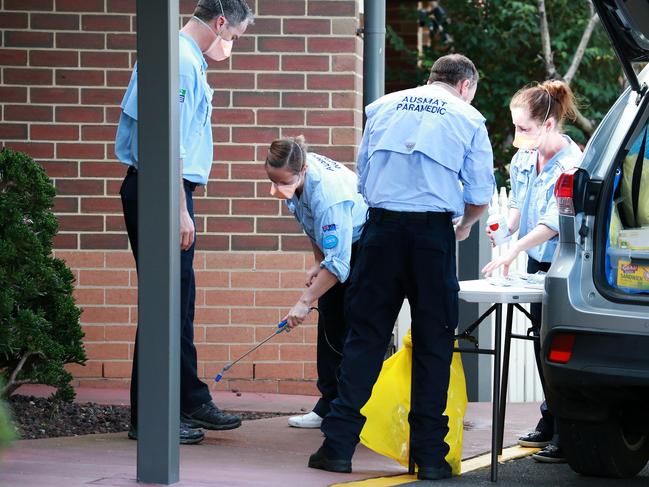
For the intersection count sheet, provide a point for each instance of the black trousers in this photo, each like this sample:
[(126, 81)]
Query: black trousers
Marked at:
[(546, 424), (399, 255), (193, 392), (332, 330)]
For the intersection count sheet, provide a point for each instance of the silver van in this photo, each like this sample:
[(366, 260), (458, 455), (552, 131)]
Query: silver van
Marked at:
[(595, 330)]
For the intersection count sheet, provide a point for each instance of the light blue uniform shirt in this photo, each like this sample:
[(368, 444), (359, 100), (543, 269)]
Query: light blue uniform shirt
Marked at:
[(195, 99), (425, 149), (331, 212), (533, 194)]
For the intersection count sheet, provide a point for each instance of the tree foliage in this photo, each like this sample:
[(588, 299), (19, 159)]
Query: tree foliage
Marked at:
[(39, 321), (503, 39)]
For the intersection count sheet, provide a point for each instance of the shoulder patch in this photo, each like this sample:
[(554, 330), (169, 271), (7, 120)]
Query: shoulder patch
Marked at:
[(330, 241), (329, 228), (183, 92)]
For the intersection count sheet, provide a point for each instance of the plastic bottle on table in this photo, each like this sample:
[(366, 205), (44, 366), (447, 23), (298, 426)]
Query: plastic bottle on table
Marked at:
[(497, 222)]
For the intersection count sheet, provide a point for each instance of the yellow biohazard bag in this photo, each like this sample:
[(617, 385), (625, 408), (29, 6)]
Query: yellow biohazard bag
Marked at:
[(387, 431)]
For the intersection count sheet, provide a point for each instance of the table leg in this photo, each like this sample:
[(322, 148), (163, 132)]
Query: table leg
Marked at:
[(505, 375), (495, 424)]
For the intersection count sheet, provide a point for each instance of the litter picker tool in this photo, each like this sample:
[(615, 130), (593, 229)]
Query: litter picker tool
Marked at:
[(281, 327)]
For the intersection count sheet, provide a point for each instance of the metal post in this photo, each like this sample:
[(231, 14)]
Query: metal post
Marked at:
[(472, 255), (159, 242), (373, 51)]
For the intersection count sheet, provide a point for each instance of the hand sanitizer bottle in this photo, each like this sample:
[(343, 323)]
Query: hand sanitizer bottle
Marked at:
[(497, 222)]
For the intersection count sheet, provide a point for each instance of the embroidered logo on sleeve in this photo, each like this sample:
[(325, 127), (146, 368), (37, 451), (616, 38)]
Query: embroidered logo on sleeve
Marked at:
[(330, 241), (329, 228), (183, 92)]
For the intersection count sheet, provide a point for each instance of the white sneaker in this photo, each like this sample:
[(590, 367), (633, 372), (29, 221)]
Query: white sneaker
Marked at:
[(311, 420)]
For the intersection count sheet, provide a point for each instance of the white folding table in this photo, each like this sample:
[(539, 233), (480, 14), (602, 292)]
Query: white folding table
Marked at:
[(482, 291)]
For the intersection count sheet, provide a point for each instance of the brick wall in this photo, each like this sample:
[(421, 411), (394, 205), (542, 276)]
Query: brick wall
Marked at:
[(401, 69), (65, 65)]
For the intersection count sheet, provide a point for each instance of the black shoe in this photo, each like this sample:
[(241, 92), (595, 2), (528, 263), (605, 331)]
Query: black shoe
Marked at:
[(320, 461), (550, 454), (188, 435), (535, 439), (210, 417), (434, 473)]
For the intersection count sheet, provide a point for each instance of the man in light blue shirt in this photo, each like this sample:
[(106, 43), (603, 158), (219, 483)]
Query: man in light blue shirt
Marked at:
[(425, 160), (211, 31)]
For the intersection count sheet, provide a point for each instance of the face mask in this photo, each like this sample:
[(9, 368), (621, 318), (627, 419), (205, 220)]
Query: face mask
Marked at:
[(220, 49), (284, 191), (526, 142)]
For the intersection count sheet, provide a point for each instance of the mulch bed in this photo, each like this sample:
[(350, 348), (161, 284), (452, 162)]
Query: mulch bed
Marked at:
[(37, 417)]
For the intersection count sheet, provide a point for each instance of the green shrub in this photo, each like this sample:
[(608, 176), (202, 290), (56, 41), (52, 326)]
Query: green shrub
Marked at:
[(39, 321)]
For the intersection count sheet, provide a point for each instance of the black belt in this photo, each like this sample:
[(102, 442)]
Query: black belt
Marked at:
[(380, 214), (191, 185)]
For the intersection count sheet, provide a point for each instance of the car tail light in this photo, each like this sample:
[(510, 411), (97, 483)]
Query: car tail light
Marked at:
[(563, 192), (561, 348)]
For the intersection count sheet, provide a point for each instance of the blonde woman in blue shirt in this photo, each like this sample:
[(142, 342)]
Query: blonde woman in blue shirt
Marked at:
[(322, 195), (544, 153)]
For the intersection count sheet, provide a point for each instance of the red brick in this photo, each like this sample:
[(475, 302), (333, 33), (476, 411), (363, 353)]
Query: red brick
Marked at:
[(265, 26), (230, 225), (106, 23), (105, 59), (258, 135), (208, 315), (122, 41), (232, 188), (13, 57), (305, 99), (79, 114), (106, 351), (346, 100), (293, 352), (278, 225), (255, 99), (54, 95), (213, 242), (104, 133), (294, 242), (303, 63), (332, 8), (79, 77), (255, 279), (113, 114), (213, 352), (256, 386), (13, 131), (37, 150), (29, 113), (79, 186), (331, 44), (280, 81), (204, 206), (229, 334), (73, 5), (79, 40), (255, 207), (120, 333), (295, 336), (254, 242), (65, 241), (280, 117), (267, 352), (117, 369), (61, 169), (218, 172), (101, 314), (330, 118), (221, 98), (92, 368), (254, 62), (307, 26), (28, 39), (233, 117), (248, 171), (280, 7), (54, 132), (54, 21), (65, 205), (346, 62), (121, 296), (118, 78), (122, 6), (229, 261), (71, 223), (13, 20), (101, 205), (299, 387), (46, 5), (294, 279), (255, 316), (342, 154), (238, 81), (207, 279), (283, 261), (13, 94), (220, 134), (281, 44), (80, 151), (313, 135), (120, 260), (93, 333), (330, 82), (101, 96), (28, 76), (115, 224), (104, 241), (278, 371)]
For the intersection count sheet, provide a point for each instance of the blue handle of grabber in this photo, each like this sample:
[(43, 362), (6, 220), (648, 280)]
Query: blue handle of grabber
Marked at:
[(282, 324)]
